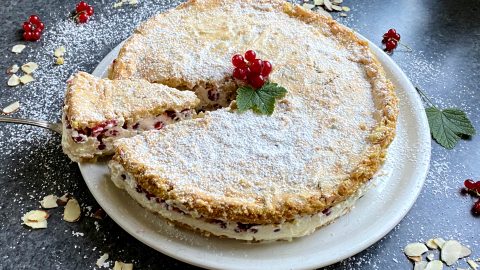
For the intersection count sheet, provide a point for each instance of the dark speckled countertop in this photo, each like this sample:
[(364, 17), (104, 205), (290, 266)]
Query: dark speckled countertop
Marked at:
[(445, 62)]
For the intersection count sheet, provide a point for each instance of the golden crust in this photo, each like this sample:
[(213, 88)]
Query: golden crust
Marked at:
[(287, 206), (90, 100)]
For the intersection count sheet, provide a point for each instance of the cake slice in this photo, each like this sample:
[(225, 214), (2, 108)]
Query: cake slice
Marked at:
[(99, 111)]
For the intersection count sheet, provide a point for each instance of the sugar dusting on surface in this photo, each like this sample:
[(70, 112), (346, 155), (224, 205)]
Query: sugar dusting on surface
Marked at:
[(36, 164)]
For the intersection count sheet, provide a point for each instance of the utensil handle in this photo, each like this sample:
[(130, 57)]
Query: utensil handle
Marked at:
[(39, 123)]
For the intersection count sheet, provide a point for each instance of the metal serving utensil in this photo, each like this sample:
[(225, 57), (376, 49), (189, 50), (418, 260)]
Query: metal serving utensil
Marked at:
[(57, 127)]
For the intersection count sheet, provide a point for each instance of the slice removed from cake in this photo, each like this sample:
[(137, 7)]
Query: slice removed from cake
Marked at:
[(99, 111)]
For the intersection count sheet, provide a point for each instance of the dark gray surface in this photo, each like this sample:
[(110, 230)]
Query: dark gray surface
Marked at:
[(444, 35)]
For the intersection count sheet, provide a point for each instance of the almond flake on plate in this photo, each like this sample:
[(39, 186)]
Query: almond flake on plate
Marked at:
[(13, 81), (133, 2), (420, 265), (343, 14), (59, 52), (431, 244), (29, 67), (337, 8), (415, 249), (36, 219), (318, 2), (434, 265), (345, 8), (13, 69), (308, 6), (26, 79), (60, 61), (49, 201), (101, 261), (122, 266), (430, 257), (452, 251), (328, 4), (337, 1), (72, 211), (18, 48), (439, 241), (11, 108), (472, 264)]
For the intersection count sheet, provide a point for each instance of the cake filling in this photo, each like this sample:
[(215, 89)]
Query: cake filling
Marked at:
[(300, 226)]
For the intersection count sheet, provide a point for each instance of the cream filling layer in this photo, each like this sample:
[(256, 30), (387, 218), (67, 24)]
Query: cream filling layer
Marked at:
[(301, 226)]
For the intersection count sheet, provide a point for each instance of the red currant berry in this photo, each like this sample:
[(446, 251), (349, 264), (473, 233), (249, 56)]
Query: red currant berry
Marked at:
[(391, 45), (256, 66), (396, 36), (40, 26), (250, 55), (240, 73), (391, 33), (81, 6), (82, 18), (27, 26), (27, 36), (267, 68), (477, 186), (36, 35), (237, 61), (89, 11), (469, 184), (256, 81), (476, 208), (34, 19)]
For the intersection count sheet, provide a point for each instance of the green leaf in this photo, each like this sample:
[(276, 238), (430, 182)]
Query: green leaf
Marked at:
[(447, 126), (261, 101)]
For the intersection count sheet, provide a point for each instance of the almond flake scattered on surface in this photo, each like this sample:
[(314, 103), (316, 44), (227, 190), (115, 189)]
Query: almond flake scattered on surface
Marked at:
[(472, 264), (64, 199), (337, 1), (72, 211), (345, 8), (318, 2), (11, 108), (415, 249), (133, 2), (328, 5), (420, 265), (434, 265), (439, 241), (431, 244), (452, 250), (101, 261), (308, 6), (18, 48), (415, 258), (35, 219), (49, 201), (14, 80), (337, 8), (13, 69), (343, 14), (60, 61), (59, 52), (430, 257), (26, 79), (122, 266), (29, 67)]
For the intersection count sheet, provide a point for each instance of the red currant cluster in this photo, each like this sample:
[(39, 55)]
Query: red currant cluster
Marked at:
[(255, 72), (83, 12), (391, 39), (474, 189), (33, 28)]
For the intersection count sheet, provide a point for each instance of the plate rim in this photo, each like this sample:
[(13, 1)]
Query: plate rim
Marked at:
[(421, 169)]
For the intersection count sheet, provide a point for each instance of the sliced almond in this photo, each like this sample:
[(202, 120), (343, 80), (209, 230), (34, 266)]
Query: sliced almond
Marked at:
[(59, 52), (133, 2), (415, 249), (15, 106), (26, 79), (420, 265), (337, 8), (60, 61), (343, 14), (328, 5), (64, 199), (337, 1), (72, 211), (434, 265), (431, 244), (122, 266), (13, 81), (439, 241), (102, 260), (472, 264), (451, 252), (318, 2), (13, 69), (18, 48), (415, 258), (464, 252), (308, 6), (345, 8), (430, 257), (49, 201), (29, 67), (36, 219)]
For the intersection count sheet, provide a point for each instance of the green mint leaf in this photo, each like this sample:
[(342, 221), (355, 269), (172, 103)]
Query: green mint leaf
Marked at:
[(261, 101), (448, 125)]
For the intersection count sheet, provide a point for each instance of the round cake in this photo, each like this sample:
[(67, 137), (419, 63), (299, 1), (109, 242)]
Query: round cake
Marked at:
[(240, 174)]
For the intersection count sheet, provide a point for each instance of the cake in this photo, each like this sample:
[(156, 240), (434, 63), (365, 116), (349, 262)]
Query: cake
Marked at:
[(243, 175), (99, 111)]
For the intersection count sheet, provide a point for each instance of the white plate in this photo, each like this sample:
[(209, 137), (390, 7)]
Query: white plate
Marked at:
[(374, 216)]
